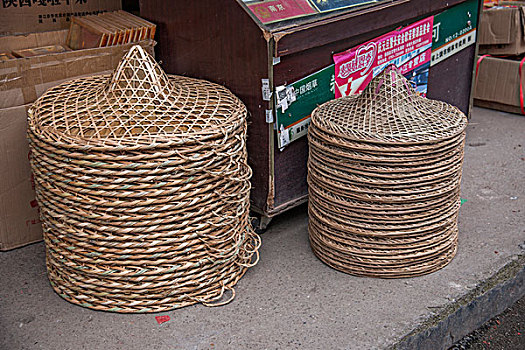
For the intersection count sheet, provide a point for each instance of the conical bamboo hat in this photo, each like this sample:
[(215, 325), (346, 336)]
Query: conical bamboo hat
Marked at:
[(389, 111), (137, 106)]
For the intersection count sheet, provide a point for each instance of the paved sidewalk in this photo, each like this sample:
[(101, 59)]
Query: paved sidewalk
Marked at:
[(291, 300)]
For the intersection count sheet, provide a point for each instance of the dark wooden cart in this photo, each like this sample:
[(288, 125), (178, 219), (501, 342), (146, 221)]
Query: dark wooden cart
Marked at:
[(223, 41)]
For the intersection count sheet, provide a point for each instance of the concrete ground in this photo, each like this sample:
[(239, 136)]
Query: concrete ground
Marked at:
[(291, 300)]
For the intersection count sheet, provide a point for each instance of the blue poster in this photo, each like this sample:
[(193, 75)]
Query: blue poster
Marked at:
[(331, 5)]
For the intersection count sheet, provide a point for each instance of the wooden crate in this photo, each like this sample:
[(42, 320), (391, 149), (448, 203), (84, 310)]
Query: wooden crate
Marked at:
[(223, 41)]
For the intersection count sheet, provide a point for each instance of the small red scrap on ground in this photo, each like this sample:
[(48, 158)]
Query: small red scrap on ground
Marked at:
[(162, 319)]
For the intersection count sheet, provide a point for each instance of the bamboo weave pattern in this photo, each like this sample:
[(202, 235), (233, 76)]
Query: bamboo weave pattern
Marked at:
[(384, 172), (143, 187)]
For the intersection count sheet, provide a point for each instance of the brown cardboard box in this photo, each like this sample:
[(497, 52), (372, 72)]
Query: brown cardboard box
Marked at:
[(498, 84), (27, 16), (22, 81), (19, 217), (502, 31), (39, 51)]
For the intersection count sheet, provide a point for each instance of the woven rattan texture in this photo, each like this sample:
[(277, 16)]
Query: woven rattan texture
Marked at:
[(384, 171), (143, 187), (390, 112), (137, 106)]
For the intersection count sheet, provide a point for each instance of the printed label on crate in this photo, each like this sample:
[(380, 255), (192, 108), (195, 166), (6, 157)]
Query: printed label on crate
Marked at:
[(294, 103), (331, 5), (272, 11), (25, 16), (454, 30), (280, 10), (409, 49)]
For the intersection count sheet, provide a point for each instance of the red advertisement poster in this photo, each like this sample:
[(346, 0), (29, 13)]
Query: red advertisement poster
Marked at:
[(278, 10), (409, 49)]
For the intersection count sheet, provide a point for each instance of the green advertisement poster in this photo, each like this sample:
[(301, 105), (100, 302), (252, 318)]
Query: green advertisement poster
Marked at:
[(295, 103), (454, 30)]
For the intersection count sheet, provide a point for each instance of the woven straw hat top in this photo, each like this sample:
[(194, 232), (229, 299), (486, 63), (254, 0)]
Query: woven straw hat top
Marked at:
[(136, 107), (389, 111)]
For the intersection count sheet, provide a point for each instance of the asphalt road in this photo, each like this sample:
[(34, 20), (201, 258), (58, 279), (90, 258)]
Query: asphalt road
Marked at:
[(505, 332)]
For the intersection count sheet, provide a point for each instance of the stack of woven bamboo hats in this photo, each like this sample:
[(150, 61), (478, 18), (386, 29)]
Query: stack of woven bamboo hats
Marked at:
[(384, 172), (143, 186)]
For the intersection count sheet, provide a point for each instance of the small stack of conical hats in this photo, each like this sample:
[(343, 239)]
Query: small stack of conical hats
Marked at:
[(384, 173), (143, 186)]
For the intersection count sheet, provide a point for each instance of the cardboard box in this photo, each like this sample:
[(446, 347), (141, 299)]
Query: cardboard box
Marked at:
[(27, 16), (502, 31), (39, 51), (19, 217), (22, 81), (107, 29), (498, 84), (4, 56), (492, 3)]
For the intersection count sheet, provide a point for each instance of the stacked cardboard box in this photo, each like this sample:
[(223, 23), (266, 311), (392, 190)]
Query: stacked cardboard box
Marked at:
[(87, 32), (502, 31), (108, 29), (499, 81), (498, 84), (492, 3), (23, 80), (22, 17)]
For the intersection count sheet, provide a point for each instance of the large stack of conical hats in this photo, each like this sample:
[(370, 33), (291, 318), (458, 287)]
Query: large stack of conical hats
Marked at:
[(384, 173), (143, 186)]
